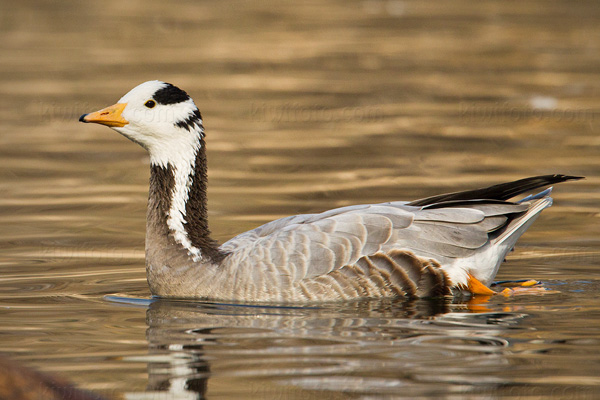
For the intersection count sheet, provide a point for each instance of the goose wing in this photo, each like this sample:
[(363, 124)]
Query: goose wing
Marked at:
[(312, 245)]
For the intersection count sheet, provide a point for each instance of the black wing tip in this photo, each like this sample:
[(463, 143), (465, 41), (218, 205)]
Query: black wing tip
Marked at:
[(502, 192), (564, 178), (542, 180)]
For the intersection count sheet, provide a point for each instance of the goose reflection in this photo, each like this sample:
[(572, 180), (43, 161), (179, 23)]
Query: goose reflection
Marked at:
[(369, 346)]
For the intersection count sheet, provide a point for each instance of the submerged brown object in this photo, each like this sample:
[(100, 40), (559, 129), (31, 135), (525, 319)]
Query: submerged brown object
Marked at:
[(18, 382)]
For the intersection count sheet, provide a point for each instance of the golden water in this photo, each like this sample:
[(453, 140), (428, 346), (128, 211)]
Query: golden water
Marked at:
[(307, 106)]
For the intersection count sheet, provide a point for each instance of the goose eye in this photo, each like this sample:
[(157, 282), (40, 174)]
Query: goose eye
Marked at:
[(150, 103)]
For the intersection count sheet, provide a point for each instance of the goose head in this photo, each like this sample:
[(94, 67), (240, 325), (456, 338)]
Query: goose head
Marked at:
[(158, 116)]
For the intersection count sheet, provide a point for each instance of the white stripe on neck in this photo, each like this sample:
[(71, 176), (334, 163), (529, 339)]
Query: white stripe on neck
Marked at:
[(181, 157)]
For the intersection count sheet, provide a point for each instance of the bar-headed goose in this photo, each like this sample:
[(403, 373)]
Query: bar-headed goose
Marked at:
[(429, 247)]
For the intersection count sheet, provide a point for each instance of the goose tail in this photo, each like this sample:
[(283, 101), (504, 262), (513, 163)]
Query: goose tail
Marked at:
[(489, 261), (519, 225)]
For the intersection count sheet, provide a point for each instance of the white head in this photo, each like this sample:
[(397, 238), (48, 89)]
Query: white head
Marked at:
[(158, 116)]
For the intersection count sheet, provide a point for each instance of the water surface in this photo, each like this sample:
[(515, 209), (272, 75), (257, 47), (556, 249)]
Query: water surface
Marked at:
[(307, 106)]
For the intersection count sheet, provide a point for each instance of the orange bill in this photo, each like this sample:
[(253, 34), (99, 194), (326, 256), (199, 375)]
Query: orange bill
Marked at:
[(109, 116)]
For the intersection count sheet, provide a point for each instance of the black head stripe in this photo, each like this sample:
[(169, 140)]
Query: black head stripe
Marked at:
[(191, 122), (170, 95)]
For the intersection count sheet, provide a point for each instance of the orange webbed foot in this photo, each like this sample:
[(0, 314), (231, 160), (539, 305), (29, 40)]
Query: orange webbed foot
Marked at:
[(478, 288)]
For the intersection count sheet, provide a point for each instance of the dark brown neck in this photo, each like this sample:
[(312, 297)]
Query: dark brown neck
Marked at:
[(195, 226), (197, 211)]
